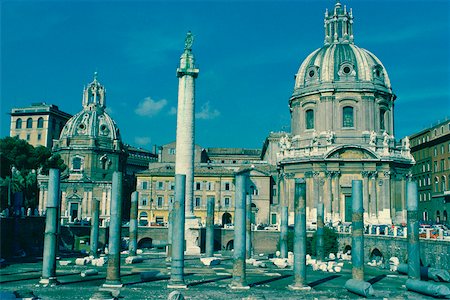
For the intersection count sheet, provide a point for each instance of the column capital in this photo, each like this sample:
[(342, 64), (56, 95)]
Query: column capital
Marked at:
[(373, 175), (388, 174)]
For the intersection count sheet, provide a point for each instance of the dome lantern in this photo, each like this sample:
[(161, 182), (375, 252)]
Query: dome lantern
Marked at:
[(338, 26), (94, 94)]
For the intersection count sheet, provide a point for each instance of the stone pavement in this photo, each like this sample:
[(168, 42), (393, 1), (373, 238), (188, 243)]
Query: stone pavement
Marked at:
[(203, 282)]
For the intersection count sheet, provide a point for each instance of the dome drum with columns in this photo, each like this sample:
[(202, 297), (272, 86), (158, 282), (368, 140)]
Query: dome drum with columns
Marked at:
[(91, 147), (342, 128)]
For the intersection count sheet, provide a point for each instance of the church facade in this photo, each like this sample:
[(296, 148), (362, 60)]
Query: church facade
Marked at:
[(342, 129), (91, 146)]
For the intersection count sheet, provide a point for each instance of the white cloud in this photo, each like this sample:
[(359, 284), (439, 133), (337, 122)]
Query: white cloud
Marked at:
[(142, 140), (206, 113), (172, 111), (149, 107)]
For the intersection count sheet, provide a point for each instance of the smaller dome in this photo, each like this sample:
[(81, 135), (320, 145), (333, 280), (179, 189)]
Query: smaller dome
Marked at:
[(93, 121)]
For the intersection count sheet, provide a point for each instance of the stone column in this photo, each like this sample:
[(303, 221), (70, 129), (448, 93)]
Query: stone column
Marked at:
[(357, 284), (113, 271), (185, 141), (365, 176), (248, 226), (337, 213), (209, 245), (177, 269), (329, 200), (300, 237), (413, 231), (239, 280), (51, 229), (385, 214), (319, 233), (94, 227), (284, 220), (373, 197), (133, 224), (170, 225)]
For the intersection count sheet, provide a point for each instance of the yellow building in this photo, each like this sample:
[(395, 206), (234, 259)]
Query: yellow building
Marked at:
[(156, 187)]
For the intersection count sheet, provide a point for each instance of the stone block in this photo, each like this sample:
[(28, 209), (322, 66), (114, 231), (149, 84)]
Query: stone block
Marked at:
[(210, 261)]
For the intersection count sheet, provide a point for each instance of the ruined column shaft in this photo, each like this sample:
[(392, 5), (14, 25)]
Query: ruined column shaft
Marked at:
[(177, 268), (413, 231), (94, 227), (209, 245), (239, 276), (51, 229), (113, 271), (300, 236), (366, 196), (132, 247), (248, 226), (357, 231), (319, 233), (170, 226)]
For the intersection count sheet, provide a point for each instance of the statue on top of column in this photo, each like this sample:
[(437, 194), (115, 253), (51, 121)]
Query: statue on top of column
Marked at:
[(188, 41)]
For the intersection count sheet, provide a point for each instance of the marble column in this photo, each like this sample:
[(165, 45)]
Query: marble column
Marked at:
[(94, 228), (365, 176), (373, 197), (284, 220), (185, 140), (337, 213), (329, 199), (413, 231), (133, 224)]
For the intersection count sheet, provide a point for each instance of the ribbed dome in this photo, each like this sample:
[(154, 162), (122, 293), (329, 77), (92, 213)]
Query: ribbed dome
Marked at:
[(93, 121), (342, 63)]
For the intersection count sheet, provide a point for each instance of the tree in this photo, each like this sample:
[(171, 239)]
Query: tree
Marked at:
[(28, 161)]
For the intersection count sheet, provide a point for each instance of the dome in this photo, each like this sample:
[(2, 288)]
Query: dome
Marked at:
[(93, 121), (340, 64)]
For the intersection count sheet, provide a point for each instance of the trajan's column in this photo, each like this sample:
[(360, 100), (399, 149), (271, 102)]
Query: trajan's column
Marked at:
[(184, 163)]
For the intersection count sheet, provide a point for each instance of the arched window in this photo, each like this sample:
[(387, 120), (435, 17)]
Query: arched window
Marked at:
[(309, 119), (19, 123), (438, 216), (347, 117), (29, 123), (40, 123), (444, 217), (443, 184), (382, 118), (436, 184)]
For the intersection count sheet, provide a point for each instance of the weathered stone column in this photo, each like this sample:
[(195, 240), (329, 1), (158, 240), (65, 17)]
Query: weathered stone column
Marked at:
[(248, 226), (413, 231), (337, 214), (239, 280), (170, 225), (133, 224), (209, 245), (284, 218), (177, 269), (319, 233), (365, 176), (51, 229), (357, 284), (300, 236), (94, 227), (115, 224), (185, 140), (329, 208), (373, 197)]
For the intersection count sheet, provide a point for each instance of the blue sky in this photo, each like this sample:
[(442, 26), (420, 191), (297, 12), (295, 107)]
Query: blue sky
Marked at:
[(247, 52)]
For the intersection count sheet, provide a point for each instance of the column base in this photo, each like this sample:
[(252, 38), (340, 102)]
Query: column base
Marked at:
[(297, 287), (238, 286), (177, 285), (102, 295), (112, 285), (49, 281), (191, 235)]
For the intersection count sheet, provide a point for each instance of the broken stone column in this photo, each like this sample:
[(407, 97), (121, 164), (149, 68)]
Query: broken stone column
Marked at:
[(132, 247), (115, 224), (300, 237), (239, 280), (94, 228), (248, 226), (209, 247), (413, 230), (51, 229), (357, 284), (169, 232), (319, 233), (177, 267)]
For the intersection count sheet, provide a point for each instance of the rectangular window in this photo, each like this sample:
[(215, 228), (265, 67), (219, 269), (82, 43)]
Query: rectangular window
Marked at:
[(198, 202), (28, 137), (172, 151), (159, 220), (273, 219), (442, 165), (226, 202), (435, 151), (144, 185), (160, 201), (274, 192), (160, 185), (442, 149), (227, 186), (198, 186), (144, 201), (210, 186), (423, 168), (39, 136), (172, 185), (428, 167), (435, 166)]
